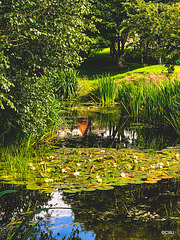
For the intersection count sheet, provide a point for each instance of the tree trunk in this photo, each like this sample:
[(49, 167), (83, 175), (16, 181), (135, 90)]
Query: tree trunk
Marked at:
[(160, 60)]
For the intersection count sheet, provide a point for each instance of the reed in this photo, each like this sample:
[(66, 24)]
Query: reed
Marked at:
[(107, 91), (151, 103)]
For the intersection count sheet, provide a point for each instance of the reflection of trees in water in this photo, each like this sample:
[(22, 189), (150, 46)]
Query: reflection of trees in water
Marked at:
[(107, 130), (130, 211), (44, 235), (16, 203)]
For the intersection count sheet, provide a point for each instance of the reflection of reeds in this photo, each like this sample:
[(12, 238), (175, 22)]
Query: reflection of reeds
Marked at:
[(152, 103), (107, 91)]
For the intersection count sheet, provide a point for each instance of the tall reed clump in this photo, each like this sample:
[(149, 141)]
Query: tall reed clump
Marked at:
[(152, 102), (174, 117), (107, 91), (63, 82)]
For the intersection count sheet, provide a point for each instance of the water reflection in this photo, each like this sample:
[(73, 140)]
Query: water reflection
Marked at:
[(99, 129), (146, 211)]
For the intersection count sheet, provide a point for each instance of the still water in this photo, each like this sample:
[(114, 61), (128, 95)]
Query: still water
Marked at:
[(144, 211), (99, 128)]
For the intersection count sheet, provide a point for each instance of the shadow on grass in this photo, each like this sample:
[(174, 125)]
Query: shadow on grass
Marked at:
[(103, 63)]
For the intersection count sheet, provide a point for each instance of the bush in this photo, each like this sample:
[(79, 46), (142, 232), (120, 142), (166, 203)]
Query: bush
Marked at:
[(35, 108)]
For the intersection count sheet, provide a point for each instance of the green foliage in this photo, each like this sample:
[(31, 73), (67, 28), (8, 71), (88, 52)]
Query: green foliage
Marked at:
[(109, 15), (171, 35), (107, 91), (63, 82), (154, 28), (36, 109), (5, 84), (38, 34)]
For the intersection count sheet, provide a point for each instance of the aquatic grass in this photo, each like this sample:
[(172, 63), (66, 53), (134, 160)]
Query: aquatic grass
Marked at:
[(107, 91), (16, 161), (152, 103)]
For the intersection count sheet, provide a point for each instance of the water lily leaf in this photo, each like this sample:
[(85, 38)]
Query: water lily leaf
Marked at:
[(166, 176), (88, 189), (72, 190), (105, 188)]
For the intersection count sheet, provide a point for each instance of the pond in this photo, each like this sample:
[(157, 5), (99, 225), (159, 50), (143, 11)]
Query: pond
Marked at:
[(126, 210)]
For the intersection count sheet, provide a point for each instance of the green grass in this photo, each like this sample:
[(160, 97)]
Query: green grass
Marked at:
[(102, 63), (157, 69)]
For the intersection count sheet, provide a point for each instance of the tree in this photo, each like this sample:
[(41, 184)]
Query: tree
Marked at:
[(171, 35), (111, 14), (154, 27), (145, 25), (39, 34)]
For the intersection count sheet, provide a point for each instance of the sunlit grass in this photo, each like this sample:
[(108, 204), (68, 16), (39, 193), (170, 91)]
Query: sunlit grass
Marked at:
[(157, 69)]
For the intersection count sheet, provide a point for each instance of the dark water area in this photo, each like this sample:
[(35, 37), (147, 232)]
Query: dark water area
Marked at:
[(108, 128), (144, 211)]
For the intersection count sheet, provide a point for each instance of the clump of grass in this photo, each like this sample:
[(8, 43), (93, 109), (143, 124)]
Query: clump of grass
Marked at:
[(17, 161), (107, 91), (64, 82), (152, 103)]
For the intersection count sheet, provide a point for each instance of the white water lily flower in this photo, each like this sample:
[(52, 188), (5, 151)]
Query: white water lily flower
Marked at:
[(161, 165), (78, 164), (99, 180), (48, 180), (32, 166), (63, 170), (115, 165), (76, 173), (177, 155), (136, 157), (123, 174)]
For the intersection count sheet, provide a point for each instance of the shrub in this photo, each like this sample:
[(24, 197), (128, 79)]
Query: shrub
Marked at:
[(35, 108)]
